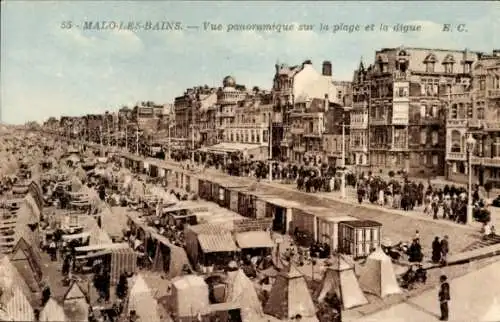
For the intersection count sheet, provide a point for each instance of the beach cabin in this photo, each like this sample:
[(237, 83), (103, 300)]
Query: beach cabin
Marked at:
[(359, 238), (280, 210), (328, 229)]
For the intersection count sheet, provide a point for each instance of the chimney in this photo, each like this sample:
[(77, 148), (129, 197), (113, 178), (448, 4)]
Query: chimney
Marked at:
[(327, 68)]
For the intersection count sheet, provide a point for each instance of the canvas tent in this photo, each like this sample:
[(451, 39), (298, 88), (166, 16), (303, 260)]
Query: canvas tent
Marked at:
[(189, 296), (175, 255), (377, 275), (142, 301), (16, 305), (10, 277), (98, 236), (75, 304), (340, 279), (241, 291), (290, 297), (52, 311), (29, 264)]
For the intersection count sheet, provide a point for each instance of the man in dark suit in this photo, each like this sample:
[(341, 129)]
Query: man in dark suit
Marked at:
[(444, 297)]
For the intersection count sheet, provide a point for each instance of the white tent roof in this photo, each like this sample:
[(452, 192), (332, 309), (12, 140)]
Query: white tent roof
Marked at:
[(52, 311), (242, 292), (377, 275), (17, 307), (341, 279)]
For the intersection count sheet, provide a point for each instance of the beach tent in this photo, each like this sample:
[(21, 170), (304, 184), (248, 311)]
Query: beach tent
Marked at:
[(175, 255), (16, 305), (377, 275), (189, 296), (290, 297), (28, 263), (98, 236), (242, 291), (142, 301), (75, 304), (10, 278), (340, 279), (52, 311)]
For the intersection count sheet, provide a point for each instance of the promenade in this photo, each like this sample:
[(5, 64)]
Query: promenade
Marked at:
[(398, 225)]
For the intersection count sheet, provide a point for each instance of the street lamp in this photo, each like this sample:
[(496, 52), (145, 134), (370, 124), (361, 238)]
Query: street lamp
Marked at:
[(470, 143)]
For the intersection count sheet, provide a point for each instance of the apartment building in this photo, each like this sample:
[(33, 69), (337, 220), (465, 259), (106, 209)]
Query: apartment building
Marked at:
[(475, 111)]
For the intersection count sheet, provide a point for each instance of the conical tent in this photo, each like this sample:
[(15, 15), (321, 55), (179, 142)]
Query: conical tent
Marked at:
[(242, 291), (341, 280), (142, 301), (493, 313), (377, 275), (52, 311), (290, 297)]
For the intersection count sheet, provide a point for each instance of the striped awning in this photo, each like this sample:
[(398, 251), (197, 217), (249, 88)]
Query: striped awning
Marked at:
[(222, 242)]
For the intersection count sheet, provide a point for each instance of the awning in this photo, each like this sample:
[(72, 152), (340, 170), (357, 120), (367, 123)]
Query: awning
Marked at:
[(222, 242), (254, 239), (76, 236), (232, 147), (94, 248), (94, 255)]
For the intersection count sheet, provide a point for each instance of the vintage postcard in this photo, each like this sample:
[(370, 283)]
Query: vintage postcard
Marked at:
[(250, 161)]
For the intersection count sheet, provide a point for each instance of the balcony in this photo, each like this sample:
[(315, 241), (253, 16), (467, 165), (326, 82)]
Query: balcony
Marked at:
[(492, 126), (494, 93), (456, 123), (360, 105), (455, 156), (314, 134), (299, 148), (225, 114), (379, 121), (430, 120), (297, 130), (475, 123), (401, 76), (487, 162)]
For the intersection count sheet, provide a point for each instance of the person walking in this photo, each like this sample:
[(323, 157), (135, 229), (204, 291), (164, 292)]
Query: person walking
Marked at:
[(444, 297), (444, 250), (436, 250)]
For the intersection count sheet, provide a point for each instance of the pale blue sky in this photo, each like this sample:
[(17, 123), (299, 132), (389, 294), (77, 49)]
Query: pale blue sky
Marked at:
[(47, 71)]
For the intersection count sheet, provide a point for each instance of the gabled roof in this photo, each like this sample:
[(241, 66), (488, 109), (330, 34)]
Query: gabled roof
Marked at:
[(53, 311), (74, 292)]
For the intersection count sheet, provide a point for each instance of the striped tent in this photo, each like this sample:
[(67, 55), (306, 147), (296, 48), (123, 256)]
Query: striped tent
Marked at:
[(16, 305), (123, 260)]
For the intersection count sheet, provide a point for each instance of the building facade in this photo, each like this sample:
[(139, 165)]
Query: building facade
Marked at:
[(358, 143), (475, 111), (297, 92), (407, 104)]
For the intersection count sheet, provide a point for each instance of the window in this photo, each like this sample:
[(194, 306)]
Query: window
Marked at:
[(467, 67), (435, 160), (448, 68), (456, 141), (453, 111), (339, 95), (482, 84), (469, 111), (480, 113), (423, 137), (430, 67)]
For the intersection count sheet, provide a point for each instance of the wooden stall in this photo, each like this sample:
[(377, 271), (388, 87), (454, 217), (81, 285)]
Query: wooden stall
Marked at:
[(328, 229), (204, 190), (247, 203), (280, 210), (359, 237)]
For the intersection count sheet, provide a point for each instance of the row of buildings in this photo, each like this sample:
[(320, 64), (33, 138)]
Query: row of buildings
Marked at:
[(411, 109)]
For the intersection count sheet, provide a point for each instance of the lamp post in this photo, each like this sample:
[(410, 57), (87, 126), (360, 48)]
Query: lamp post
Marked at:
[(470, 142)]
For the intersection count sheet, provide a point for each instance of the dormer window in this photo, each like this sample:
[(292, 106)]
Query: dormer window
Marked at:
[(430, 63), (382, 62), (448, 63), (467, 67)]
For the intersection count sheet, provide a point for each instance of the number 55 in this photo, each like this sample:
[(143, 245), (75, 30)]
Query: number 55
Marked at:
[(66, 25)]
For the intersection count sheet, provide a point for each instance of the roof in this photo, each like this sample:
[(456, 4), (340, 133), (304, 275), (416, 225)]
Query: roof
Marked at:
[(17, 307), (208, 228), (222, 242), (188, 281), (233, 147), (74, 292), (52, 311), (254, 239), (362, 223)]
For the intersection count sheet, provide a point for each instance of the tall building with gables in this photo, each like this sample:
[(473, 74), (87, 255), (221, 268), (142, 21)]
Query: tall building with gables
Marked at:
[(407, 106)]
